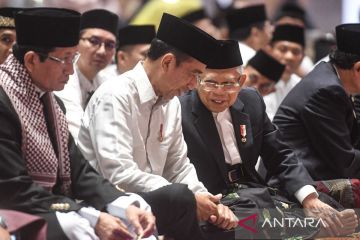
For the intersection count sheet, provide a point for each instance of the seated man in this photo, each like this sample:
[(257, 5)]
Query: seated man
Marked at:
[(131, 130), (227, 130), (263, 72), (42, 172), (318, 120)]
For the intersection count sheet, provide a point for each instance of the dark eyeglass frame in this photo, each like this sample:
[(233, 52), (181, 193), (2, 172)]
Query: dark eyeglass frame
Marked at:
[(63, 61), (97, 42)]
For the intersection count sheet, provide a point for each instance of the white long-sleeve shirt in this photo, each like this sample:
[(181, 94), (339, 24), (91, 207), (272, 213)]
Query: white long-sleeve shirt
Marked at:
[(120, 136)]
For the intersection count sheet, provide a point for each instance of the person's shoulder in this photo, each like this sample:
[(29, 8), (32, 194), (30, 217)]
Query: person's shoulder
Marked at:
[(186, 97), (249, 94)]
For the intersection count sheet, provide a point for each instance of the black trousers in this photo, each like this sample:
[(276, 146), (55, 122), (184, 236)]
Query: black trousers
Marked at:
[(174, 207)]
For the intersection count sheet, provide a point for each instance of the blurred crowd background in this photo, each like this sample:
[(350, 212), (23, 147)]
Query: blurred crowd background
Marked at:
[(321, 15)]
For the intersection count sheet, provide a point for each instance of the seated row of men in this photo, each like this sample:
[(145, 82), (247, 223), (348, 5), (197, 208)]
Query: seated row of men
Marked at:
[(136, 135)]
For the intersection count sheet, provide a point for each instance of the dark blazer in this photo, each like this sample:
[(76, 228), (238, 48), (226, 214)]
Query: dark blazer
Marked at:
[(206, 153), (317, 120), (19, 192)]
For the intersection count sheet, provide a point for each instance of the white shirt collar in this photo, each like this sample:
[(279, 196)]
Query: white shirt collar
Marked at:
[(143, 85)]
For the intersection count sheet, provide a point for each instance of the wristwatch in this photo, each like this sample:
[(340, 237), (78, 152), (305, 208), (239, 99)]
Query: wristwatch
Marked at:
[(3, 222)]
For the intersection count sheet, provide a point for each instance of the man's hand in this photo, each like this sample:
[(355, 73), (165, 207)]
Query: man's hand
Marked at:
[(225, 219), (110, 227), (337, 223), (4, 234), (143, 221), (206, 205)]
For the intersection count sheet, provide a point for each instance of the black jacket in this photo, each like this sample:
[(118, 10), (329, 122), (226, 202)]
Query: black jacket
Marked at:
[(19, 192), (206, 153), (317, 120)]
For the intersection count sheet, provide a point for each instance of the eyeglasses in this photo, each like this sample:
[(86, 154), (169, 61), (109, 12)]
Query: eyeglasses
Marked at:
[(97, 42), (211, 85), (63, 61)]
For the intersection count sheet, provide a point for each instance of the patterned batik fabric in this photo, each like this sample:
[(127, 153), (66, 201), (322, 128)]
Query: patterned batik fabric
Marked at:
[(344, 191), (42, 163)]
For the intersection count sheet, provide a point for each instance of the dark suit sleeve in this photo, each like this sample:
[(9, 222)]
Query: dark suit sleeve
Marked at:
[(87, 184), (280, 160), (17, 190), (324, 117)]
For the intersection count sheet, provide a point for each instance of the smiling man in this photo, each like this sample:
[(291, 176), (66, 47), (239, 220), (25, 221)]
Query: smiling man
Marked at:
[(131, 131), (226, 130)]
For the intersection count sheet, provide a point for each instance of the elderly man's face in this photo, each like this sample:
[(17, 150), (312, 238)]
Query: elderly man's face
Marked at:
[(218, 89), (53, 73), (7, 40), (97, 47), (131, 55)]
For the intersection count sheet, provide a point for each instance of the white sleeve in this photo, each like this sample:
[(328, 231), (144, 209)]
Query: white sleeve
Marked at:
[(110, 128), (178, 166), (304, 191), (71, 97)]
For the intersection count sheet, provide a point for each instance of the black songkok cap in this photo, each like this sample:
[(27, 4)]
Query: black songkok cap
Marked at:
[(187, 38), (267, 65), (136, 34), (289, 33), (47, 27), (100, 18), (195, 16), (291, 10), (7, 15), (348, 38), (226, 55), (245, 17)]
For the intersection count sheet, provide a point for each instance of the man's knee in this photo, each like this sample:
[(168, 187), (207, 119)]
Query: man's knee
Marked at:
[(179, 196)]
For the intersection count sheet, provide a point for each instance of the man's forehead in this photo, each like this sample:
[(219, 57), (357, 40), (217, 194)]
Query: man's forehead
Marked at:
[(97, 32), (66, 50), (288, 44), (226, 74)]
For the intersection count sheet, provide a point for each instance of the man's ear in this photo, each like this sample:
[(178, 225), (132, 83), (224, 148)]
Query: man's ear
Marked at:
[(242, 79), (30, 59), (357, 68), (168, 61), (120, 56)]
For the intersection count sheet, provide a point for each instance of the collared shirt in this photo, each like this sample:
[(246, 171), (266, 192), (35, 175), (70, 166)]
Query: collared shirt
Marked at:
[(88, 86), (300, 194), (134, 139), (74, 96), (273, 100), (227, 134)]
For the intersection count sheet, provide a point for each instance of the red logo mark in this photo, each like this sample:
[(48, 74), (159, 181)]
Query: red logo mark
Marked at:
[(251, 217)]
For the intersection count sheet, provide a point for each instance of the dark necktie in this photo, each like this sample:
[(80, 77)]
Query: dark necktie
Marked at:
[(50, 120), (88, 98)]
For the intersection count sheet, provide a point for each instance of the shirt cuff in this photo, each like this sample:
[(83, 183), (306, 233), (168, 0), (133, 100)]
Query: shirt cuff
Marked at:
[(305, 191), (90, 214), (118, 206)]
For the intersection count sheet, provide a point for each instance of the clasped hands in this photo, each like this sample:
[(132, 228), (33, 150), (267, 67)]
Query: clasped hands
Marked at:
[(209, 208)]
